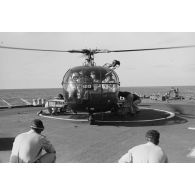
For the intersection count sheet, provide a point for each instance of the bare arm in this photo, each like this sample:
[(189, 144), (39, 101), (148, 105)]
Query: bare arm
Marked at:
[(47, 146), (126, 158), (13, 159), (166, 159)]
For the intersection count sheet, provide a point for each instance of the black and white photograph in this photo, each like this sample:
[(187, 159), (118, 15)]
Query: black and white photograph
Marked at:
[(97, 97)]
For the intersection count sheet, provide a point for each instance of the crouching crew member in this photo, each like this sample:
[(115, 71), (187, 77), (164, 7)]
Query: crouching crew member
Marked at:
[(149, 152), (136, 101), (128, 105), (28, 146)]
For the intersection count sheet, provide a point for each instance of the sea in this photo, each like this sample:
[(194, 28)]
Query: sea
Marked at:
[(12, 95), (186, 91)]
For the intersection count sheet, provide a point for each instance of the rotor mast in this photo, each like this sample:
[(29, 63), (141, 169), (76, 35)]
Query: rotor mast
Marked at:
[(89, 54)]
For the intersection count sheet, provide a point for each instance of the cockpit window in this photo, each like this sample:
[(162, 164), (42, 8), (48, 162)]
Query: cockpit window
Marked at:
[(110, 84), (78, 84)]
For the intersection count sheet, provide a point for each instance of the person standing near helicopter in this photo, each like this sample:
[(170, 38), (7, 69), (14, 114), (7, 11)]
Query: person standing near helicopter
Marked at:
[(131, 102), (128, 104), (136, 101)]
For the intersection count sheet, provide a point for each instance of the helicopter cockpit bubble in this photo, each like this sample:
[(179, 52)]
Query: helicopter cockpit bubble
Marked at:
[(90, 86)]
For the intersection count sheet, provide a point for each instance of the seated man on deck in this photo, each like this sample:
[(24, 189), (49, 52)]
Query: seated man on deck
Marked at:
[(32, 146)]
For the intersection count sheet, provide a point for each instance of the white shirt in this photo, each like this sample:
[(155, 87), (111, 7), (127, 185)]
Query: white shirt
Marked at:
[(145, 153), (28, 146)]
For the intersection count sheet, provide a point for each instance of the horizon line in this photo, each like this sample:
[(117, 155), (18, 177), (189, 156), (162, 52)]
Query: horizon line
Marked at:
[(120, 87)]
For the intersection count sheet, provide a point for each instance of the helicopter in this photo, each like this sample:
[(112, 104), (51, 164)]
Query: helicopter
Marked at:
[(91, 88), (88, 87)]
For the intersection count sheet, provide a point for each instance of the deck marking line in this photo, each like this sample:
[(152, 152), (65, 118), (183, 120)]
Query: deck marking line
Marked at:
[(171, 115), (64, 119), (6, 102), (191, 128), (25, 101)]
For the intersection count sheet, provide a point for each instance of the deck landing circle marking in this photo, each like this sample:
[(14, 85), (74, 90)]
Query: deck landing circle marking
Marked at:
[(191, 128), (171, 115), (64, 119)]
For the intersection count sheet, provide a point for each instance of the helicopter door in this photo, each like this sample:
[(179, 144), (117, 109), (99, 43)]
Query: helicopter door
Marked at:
[(105, 88), (110, 83)]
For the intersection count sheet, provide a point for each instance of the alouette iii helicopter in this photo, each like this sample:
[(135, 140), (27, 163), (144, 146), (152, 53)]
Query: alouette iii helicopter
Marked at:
[(91, 88)]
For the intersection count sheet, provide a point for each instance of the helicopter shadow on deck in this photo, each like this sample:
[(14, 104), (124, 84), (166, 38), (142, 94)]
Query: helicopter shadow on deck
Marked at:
[(185, 111), (6, 143), (174, 121)]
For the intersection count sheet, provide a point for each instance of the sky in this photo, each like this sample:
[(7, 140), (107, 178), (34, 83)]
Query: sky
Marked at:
[(30, 69)]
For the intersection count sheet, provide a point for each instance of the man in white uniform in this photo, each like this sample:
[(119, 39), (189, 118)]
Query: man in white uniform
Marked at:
[(146, 153), (28, 146)]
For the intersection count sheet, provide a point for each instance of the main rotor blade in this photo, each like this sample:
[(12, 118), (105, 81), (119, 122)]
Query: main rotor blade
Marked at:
[(150, 49), (96, 51), (83, 51), (33, 49)]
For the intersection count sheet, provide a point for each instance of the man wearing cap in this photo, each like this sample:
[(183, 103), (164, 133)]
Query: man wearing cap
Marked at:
[(28, 146), (149, 152)]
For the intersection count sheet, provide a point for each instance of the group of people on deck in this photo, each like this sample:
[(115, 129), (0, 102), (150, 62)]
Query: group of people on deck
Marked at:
[(33, 147)]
